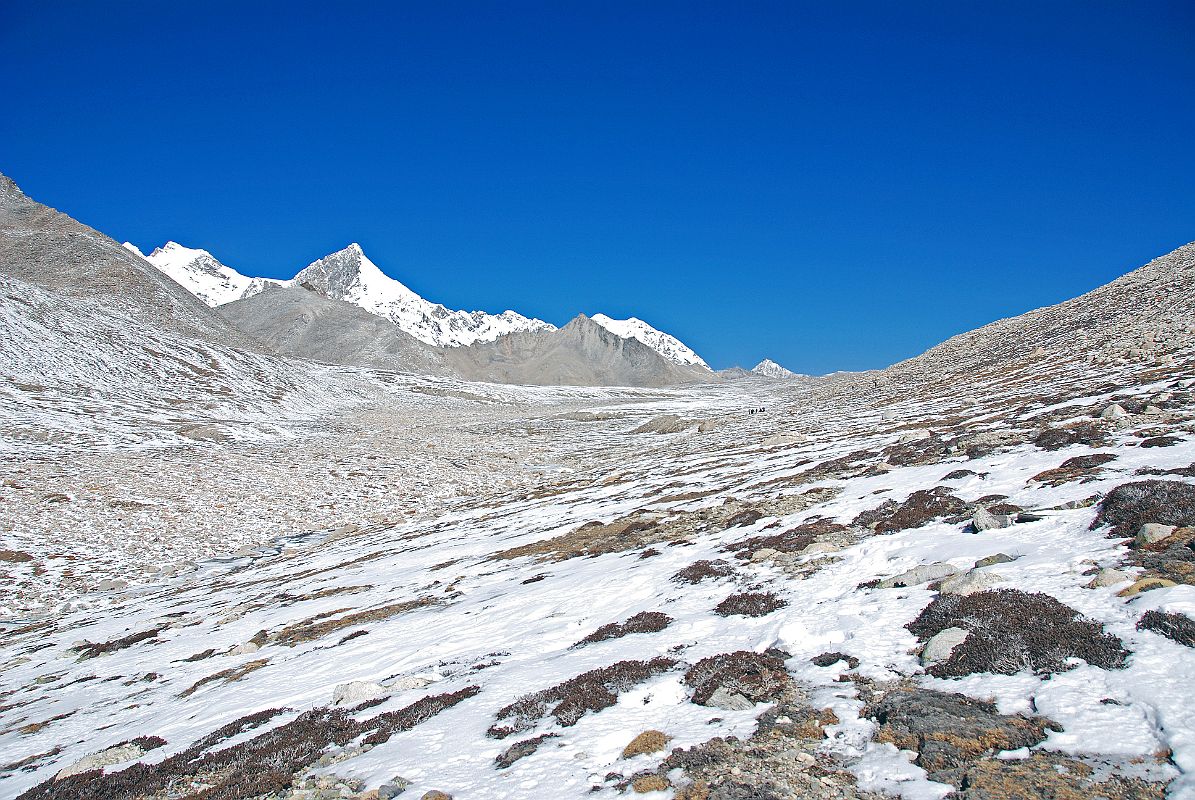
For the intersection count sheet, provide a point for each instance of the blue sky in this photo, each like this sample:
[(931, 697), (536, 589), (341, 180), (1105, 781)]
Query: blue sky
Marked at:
[(835, 186)]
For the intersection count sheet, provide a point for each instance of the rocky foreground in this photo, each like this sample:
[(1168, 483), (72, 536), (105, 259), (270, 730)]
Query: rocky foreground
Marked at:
[(867, 589)]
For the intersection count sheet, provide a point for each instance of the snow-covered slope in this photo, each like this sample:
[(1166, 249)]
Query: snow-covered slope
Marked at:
[(770, 369), (666, 345), (201, 274), (349, 275)]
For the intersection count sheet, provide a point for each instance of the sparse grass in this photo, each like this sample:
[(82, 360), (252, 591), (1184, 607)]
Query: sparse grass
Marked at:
[(316, 628)]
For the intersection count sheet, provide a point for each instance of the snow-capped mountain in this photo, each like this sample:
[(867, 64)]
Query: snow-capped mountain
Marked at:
[(349, 275), (666, 345), (770, 369), (200, 273)]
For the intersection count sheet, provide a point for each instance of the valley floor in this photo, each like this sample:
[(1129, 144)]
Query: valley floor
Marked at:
[(491, 591)]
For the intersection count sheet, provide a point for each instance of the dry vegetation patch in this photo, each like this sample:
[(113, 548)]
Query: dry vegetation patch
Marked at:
[(756, 676), (750, 604), (921, 508), (571, 700), (1011, 630), (317, 627), (643, 622), (1079, 468)]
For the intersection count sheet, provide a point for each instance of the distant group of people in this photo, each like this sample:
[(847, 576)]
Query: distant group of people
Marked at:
[(757, 411)]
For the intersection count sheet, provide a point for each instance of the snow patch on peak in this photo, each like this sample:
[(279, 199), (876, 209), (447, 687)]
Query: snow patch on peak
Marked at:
[(770, 369), (200, 273), (665, 344), (351, 276), (132, 248)]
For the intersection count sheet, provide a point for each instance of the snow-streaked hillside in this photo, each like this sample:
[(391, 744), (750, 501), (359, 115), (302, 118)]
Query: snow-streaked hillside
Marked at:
[(665, 344), (770, 369), (349, 275), (200, 273)]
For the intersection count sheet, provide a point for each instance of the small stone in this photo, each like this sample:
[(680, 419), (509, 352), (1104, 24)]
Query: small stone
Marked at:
[(729, 701), (1114, 411), (763, 554), (984, 520), (1145, 585), (436, 794), (998, 558), (942, 644), (919, 575), (970, 583), (242, 649), (1152, 532), (110, 585), (1109, 577), (355, 693)]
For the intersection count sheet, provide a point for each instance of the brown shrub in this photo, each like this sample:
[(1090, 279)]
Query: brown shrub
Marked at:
[(750, 604), (1087, 433), (1130, 505), (1178, 627), (646, 742), (92, 650), (520, 750), (572, 699), (756, 676), (921, 507), (1160, 441), (1012, 630), (316, 628), (1073, 469), (643, 622), (830, 659), (700, 570), (793, 540)]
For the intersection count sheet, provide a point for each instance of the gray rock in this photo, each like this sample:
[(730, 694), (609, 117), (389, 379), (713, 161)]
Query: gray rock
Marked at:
[(942, 644), (1153, 532), (390, 790), (1114, 411), (998, 558), (969, 583), (104, 758), (919, 575), (357, 692), (1109, 577), (984, 520), (729, 701)]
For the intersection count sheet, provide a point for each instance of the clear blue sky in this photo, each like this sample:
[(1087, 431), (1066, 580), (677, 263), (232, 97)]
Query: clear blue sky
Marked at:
[(836, 186)]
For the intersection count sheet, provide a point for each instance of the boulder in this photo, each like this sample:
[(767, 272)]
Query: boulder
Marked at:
[(969, 583), (354, 693), (997, 558), (104, 758), (1153, 532), (984, 520), (919, 575), (1109, 577), (1114, 411), (942, 644), (1146, 585)]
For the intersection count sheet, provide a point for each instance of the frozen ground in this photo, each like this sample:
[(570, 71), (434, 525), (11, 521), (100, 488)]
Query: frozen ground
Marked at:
[(425, 537)]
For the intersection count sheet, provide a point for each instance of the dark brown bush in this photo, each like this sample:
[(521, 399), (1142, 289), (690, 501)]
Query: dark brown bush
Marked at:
[(90, 650), (1087, 433), (1130, 505), (521, 750), (1160, 441), (830, 659), (259, 766), (643, 622), (793, 540), (756, 676), (921, 507), (571, 700), (1178, 627), (750, 604), (700, 570), (1073, 469), (1012, 630)]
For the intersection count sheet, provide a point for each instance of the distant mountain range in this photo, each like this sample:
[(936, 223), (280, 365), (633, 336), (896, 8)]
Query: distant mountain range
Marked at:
[(301, 317)]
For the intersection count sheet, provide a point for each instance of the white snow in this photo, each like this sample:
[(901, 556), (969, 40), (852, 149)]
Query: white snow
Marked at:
[(350, 275), (665, 344), (201, 274), (770, 369)]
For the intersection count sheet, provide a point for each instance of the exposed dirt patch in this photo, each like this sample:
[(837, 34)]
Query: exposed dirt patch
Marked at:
[(316, 628), (1012, 630)]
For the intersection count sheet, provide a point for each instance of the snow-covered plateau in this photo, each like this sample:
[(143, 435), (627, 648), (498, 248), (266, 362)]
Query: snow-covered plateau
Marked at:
[(232, 574)]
